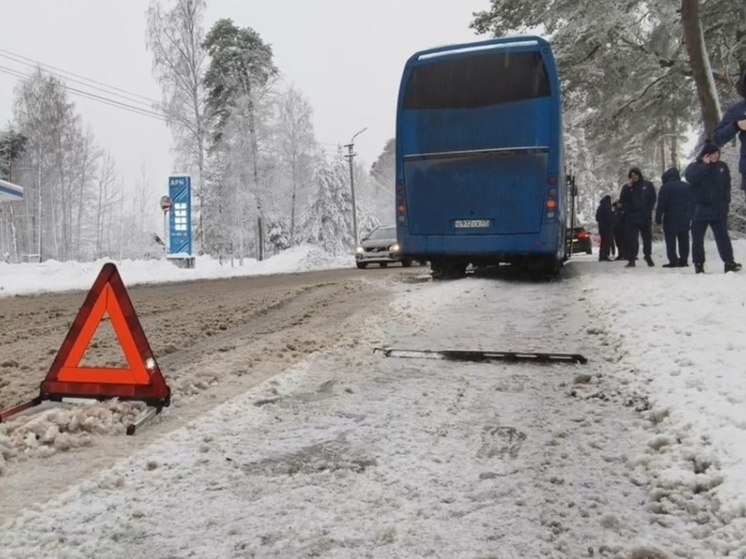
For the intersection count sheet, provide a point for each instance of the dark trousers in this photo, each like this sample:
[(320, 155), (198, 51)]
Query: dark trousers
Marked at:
[(607, 241), (619, 239), (644, 230), (720, 231), (672, 237)]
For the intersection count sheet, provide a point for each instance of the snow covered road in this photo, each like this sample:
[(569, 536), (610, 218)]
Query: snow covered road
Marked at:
[(351, 454), (233, 335)]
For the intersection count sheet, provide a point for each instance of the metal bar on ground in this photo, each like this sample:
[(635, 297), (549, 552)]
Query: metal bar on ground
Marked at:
[(145, 416), (484, 356), (10, 412)]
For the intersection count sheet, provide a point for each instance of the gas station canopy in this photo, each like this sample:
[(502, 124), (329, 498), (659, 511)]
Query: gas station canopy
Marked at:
[(10, 192)]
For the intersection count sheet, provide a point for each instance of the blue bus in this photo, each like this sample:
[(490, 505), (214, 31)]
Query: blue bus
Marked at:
[(479, 157)]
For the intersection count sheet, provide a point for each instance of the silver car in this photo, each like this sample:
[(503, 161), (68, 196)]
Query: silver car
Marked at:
[(380, 247)]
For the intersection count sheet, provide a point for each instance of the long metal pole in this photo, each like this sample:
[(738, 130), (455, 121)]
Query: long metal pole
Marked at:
[(354, 204), (165, 231), (39, 200), (350, 157)]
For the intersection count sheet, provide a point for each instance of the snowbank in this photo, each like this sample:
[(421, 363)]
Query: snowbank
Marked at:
[(677, 340), (53, 276)]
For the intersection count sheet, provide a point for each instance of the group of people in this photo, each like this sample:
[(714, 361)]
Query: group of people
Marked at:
[(683, 207)]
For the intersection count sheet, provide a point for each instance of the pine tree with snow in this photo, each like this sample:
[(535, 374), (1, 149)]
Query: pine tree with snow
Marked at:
[(327, 221)]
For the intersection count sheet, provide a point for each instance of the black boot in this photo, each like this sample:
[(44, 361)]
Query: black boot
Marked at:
[(732, 267), (670, 265), (649, 260), (683, 264), (699, 268), (630, 264)]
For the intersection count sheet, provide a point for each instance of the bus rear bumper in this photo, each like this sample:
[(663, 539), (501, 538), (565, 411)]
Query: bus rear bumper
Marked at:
[(483, 248)]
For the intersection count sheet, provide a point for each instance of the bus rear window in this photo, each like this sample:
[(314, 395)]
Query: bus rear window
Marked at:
[(481, 81)]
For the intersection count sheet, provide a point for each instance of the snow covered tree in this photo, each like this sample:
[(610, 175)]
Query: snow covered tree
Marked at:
[(12, 147), (383, 178), (140, 216), (327, 221), (296, 145), (59, 169), (107, 203), (240, 61), (237, 85), (175, 36)]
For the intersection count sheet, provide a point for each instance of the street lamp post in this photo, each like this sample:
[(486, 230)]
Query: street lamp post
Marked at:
[(350, 156)]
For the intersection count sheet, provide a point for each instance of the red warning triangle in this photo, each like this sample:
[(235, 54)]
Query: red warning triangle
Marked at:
[(142, 381)]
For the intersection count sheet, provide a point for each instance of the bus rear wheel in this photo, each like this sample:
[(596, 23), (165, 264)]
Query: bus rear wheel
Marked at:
[(546, 268), (446, 269)]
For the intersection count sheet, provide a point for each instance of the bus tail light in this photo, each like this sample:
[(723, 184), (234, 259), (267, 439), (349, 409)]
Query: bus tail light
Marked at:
[(401, 204), (552, 198)]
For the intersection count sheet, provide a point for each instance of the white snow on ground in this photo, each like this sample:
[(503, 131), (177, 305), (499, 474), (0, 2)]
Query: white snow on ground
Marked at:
[(678, 338), (355, 455), (25, 279)]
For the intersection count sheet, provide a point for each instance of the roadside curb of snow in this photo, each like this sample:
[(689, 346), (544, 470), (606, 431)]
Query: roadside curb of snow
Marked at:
[(679, 468)]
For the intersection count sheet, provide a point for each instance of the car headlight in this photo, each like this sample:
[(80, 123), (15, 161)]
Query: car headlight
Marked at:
[(360, 250), (394, 248)]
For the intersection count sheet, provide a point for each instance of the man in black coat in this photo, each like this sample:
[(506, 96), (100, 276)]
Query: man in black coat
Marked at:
[(674, 211), (605, 220), (638, 198), (710, 180), (734, 123)]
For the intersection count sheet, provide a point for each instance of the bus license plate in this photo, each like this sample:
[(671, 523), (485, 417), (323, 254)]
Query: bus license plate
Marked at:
[(471, 223)]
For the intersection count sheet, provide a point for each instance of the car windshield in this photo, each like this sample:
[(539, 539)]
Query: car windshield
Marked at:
[(383, 233)]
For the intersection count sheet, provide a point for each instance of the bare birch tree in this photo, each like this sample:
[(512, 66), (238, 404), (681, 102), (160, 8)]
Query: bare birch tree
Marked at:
[(296, 145), (175, 36)]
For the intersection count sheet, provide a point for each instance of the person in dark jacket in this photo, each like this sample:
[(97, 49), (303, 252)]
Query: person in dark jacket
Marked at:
[(674, 211), (619, 232), (605, 220), (638, 198), (732, 124), (711, 183)]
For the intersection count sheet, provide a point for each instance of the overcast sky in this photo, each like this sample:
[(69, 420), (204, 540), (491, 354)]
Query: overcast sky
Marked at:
[(345, 55)]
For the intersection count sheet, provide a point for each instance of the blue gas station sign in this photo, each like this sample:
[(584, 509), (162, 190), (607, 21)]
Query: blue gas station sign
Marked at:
[(180, 220)]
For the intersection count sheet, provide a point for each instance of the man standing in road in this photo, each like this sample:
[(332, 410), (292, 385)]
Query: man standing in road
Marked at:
[(734, 123), (638, 198), (674, 211), (605, 220), (711, 183), (619, 231)]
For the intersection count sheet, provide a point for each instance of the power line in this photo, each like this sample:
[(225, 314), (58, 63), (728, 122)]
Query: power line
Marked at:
[(80, 82), (94, 97), (32, 62)]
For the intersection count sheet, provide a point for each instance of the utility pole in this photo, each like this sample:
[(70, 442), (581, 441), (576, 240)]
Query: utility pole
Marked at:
[(39, 202), (350, 156)]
